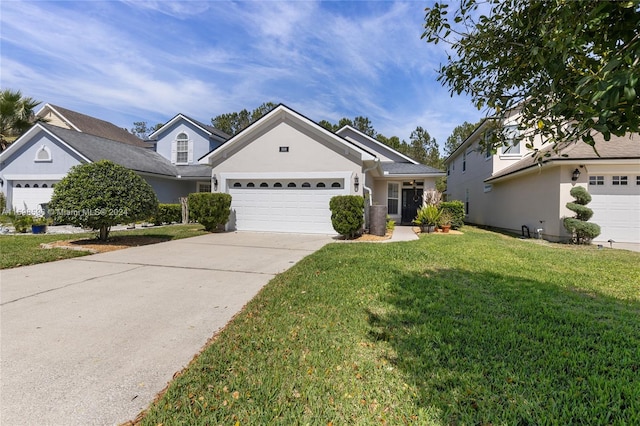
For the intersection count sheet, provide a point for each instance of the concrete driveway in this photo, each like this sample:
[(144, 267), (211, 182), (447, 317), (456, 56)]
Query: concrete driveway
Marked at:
[(92, 340)]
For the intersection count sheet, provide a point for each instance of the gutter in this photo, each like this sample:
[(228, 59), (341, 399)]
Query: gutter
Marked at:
[(376, 163)]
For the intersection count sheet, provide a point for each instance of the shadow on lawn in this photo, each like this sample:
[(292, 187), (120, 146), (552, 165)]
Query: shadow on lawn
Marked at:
[(484, 348)]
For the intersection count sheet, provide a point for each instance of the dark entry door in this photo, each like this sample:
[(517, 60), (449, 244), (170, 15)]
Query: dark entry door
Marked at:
[(411, 202)]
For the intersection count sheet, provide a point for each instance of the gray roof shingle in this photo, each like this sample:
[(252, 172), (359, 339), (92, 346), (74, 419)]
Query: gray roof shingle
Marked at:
[(95, 126), (619, 147)]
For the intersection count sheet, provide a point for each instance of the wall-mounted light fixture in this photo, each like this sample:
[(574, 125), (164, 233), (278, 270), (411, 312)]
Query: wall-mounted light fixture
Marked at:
[(356, 183), (1, 182), (215, 183), (575, 175)]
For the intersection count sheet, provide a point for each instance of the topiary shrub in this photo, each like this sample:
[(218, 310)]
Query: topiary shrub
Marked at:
[(583, 232), (168, 213), (102, 194), (3, 202), (347, 214), (211, 210), (455, 209)]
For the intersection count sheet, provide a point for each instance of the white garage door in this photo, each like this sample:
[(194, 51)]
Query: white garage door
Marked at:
[(616, 207), (28, 199), (301, 208)]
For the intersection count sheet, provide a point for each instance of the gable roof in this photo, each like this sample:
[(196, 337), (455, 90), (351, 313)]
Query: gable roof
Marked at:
[(378, 146), (210, 130), (91, 125), (618, 148), (282, 111)]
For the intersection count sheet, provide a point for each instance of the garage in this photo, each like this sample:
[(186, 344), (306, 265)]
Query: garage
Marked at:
[(27, 196), (615, 204), (284, 205)]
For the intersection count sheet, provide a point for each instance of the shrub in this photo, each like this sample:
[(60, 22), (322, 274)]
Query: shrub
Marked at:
[(211, 210), (168, 213), (429, 215), (455, 209), (102, 194), (21, 222), (347, 214), (3, 202), (583, 232)]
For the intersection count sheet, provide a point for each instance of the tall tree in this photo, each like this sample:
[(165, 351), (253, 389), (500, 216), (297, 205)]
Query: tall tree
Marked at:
[(458, 135), (16, 115), (424, 149), (233, 123), (559, 62), (142, 130), (364, 125)]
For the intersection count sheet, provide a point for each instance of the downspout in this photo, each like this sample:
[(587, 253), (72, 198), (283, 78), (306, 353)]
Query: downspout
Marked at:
[(376, 163)]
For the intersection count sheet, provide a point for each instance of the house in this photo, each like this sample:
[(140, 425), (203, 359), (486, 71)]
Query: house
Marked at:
[(35, 162), (511, 189), (282, 170)]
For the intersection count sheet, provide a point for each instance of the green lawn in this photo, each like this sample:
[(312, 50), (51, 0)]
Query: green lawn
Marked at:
[(471, 329), (24, 249)]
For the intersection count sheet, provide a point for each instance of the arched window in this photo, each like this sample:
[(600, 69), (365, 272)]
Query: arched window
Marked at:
[(291, 185), (182, 148), (336, 185), (18, 186), (27, 186), (36, 185), (44, 185), (320, 185), (251, 185), (277, 185), (237, 185), (43, 154), (53, 185), (306, 185), (264, 185)]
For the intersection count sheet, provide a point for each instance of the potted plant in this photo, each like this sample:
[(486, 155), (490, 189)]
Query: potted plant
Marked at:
[(427, 218), (39, 225), (445, 221), (21, 222)]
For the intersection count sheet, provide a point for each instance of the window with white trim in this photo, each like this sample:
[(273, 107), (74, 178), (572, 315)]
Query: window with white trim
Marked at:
[(393, 191), (464, 161), (466, 201), (511, 134), (637, 180), (596, 180), (204, 187), (619, 180), (182, 148)]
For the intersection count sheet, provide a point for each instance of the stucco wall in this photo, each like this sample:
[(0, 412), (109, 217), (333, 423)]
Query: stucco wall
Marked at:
[(305, 154), (201, 144), (170, 190), (21, 161)]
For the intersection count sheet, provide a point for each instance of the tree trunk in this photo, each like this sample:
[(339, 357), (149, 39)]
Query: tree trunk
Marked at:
[(104, 232)]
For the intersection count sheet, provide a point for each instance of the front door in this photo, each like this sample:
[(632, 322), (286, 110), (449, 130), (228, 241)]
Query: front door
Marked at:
[(411, 202)]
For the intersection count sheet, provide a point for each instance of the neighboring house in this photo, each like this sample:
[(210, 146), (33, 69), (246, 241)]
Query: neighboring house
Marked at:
[(67, 119), (34, 163), (510, 189), (283, 169)]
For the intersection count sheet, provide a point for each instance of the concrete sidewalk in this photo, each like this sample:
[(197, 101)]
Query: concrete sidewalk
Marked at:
[(402, 233), (92, 340)]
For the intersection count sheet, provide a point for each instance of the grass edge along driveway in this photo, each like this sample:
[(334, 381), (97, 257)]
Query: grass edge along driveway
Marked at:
[(473, 329)]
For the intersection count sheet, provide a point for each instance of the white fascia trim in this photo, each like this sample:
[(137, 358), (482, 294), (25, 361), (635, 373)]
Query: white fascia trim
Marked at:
[(377, 142), (34, 177), (59, 115), (174, 120)]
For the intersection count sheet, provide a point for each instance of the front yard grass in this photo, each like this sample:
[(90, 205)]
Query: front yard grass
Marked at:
[(474, 329), (21, 250)]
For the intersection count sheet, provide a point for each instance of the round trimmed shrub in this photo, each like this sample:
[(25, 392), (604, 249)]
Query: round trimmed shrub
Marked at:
[(102, 194), (211, 210), (347, 214)]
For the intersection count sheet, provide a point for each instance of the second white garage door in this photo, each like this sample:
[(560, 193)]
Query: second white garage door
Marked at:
[(616, 208), (28, 200), (283, 209)]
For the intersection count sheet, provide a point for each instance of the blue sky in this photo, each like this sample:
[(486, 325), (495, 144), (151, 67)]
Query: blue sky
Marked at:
[(126, 61)]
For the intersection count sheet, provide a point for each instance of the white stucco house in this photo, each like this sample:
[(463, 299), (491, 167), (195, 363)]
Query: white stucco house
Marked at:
[(510, 188), (281, 171)]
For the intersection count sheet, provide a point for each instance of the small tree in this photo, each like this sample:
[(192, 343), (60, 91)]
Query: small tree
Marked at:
[(582, 231), (210, 209), (102, 194), (347, 214)]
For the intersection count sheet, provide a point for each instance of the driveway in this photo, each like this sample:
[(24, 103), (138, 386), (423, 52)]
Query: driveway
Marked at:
[(92, 340)]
